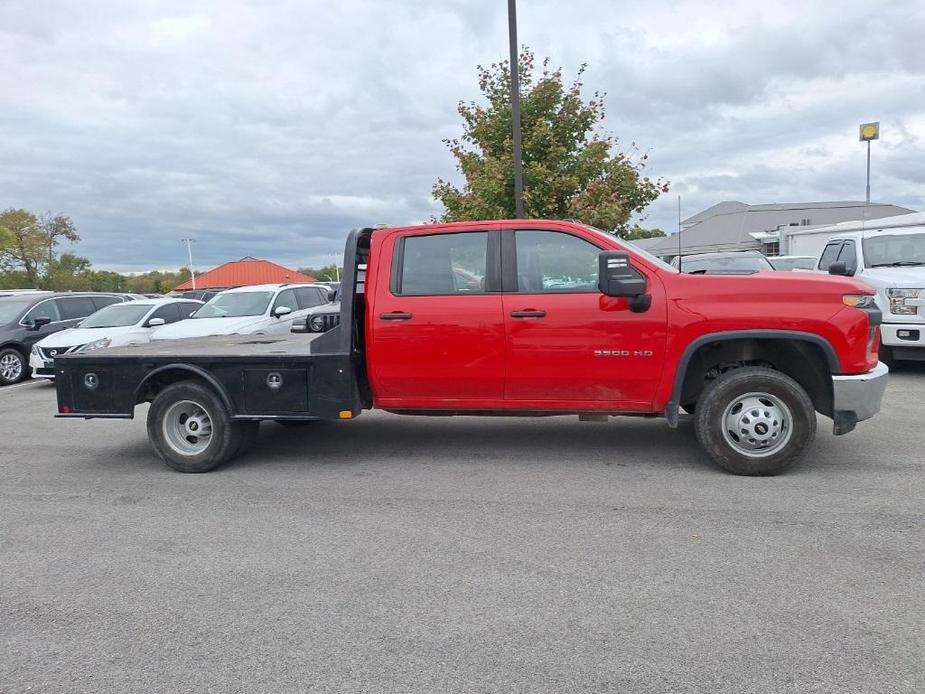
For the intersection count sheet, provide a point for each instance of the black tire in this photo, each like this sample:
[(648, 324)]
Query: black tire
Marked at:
[(14, 367), (747, 385), (226, 436)]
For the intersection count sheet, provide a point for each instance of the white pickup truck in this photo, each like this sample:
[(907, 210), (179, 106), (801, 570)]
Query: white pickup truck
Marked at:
[(892, 261)]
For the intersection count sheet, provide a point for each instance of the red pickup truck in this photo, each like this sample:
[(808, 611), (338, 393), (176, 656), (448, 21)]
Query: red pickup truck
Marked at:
[(516, 318)]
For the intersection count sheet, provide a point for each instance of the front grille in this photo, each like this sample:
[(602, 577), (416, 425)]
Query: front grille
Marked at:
[(46, 352), (330, 320)]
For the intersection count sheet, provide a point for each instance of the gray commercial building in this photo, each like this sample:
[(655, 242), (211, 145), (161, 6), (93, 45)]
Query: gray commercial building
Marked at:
[(735, 226)]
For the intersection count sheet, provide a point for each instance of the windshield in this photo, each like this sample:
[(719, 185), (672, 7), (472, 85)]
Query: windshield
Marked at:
[(655, 260), (117, 316), (236, 305), (894, 250), (806, 263), (725, 264), (11, 308)]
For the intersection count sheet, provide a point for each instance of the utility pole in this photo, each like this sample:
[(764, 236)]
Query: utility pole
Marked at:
[(515, 111), (189, 250), (679, 233)]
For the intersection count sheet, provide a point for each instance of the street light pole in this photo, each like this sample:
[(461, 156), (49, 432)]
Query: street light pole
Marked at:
[(515, 110), (189, 250), (868, 132)]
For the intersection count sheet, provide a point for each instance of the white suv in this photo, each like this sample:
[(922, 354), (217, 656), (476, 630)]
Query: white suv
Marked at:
[(265, 309)]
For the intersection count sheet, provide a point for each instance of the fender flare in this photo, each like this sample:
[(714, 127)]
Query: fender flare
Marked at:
[(194, 371), (672, 408)]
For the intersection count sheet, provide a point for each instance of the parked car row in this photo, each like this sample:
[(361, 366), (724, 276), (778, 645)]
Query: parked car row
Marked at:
[(36, 327), (26, 318), (119, 325)]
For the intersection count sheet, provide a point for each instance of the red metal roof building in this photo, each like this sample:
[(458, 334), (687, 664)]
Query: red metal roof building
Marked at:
[(244, 272)]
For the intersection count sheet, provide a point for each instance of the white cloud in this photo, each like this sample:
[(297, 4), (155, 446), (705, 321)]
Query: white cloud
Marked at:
[(270, 129)]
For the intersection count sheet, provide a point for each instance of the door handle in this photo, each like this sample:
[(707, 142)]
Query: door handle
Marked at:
[(528, 314), (395, 315)]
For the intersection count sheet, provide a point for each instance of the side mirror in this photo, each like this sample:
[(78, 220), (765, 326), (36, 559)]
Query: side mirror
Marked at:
[(300, 325), (156, 322), (616, 276), (39, 323), (281, 311), (840, 268)]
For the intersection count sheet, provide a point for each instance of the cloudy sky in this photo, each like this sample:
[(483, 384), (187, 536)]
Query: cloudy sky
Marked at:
[(270, 129)]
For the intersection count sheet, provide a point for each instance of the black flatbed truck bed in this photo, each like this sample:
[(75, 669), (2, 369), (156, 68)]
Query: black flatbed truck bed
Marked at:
[(288, 377)]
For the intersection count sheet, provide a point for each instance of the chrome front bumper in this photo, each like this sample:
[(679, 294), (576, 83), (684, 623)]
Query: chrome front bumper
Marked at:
[(857, 397)]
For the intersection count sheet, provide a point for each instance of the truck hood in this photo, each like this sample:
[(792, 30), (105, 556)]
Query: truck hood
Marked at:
[(792, 281), (72, 337), (203, 327), (899, 277)]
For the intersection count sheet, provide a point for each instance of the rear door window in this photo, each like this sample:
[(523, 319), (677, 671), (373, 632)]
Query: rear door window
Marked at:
[(187, 308), (73, 307), (829, 255), (443, 264), (309, 297), (102, 301)]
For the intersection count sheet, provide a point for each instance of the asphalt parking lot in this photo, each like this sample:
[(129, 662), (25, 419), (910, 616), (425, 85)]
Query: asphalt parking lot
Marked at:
[(487, 555)]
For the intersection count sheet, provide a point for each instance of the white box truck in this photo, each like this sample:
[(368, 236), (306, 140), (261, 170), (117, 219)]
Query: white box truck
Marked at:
[(889, 255)]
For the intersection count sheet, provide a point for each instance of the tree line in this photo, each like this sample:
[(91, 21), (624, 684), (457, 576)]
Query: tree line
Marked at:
[(30, 258)]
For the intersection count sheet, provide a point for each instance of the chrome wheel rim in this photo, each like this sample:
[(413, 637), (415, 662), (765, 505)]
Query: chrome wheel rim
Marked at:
[(10, 367), (757, 425), (187, 428)]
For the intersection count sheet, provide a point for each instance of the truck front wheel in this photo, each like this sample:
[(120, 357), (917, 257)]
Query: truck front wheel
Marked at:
[(190, 428), (755, 421)]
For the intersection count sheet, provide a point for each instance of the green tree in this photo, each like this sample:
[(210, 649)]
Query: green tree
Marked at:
[(155, 281), (570, 169), (70, 272), (637, 232), (329, 273), (29, 243)]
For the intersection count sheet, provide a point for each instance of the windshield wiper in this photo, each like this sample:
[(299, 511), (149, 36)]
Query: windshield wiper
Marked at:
[(900, 263)]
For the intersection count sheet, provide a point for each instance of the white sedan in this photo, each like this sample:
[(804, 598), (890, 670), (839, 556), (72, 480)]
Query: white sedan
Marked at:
[(117, 325), (266, 309)]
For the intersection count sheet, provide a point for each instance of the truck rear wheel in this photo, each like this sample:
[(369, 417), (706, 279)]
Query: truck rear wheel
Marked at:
[(755, 421), (191, 430)]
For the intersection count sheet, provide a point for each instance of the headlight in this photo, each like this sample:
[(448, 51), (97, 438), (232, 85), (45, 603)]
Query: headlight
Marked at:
[(898, 299), (35, 350), (96, 344), (316, 324), (858, 300)]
